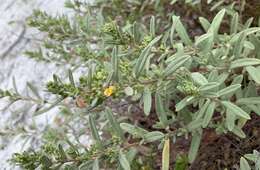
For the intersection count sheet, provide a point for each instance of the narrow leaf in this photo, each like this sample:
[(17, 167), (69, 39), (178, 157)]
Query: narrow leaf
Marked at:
[(209, 114), (123, 161), (147, 100), (181, 30), (229, 90), (195, 144), (166, 155), (235, 109)]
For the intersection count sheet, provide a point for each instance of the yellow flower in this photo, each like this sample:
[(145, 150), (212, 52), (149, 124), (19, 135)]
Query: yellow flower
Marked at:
[(109, 91)]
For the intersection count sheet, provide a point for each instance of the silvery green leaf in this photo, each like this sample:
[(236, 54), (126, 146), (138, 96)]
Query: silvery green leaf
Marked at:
[(216, 5), (209, 114), (123, 161), (94, 131), (203, 109), (142, 60), (254, 73), (166, 155), (244, 165), (153, 136), (251, 157), (184, 102), (33, 89), (95, 165), (230, 120), (216, 22), (234, 23), (239, 132), (249, 100), (152, 26), (204, 23), (239, 44), (229, 90), (235, 109), (182, 33), (147, 100), (195, 144), (208, 86), (244, 62), (114, 124), (133, 130), (175, 64), (160, 109), (205, 42), (199, 78), (115, 61)]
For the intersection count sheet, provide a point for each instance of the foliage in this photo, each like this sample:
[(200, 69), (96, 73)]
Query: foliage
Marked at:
[(137, 53)]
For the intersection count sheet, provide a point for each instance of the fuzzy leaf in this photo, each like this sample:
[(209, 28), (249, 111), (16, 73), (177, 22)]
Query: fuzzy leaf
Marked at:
[(195, 144), (123, 161), (235, 109), (254, 73), (153, 136), (244, 62), (182, 33), (147, 100), (244, 164), (229, 90), (208, 114), (166, 155)]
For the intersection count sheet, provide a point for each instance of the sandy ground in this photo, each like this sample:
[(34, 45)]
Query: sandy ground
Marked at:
[(14, 39)]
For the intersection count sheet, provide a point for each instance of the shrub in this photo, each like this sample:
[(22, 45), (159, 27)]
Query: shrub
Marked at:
[(175, 84)]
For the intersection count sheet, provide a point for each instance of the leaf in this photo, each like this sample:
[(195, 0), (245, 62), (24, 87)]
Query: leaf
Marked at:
[(208, 86), (153, 136), (235, 109), (229, 90), (115, 61), (234, 23), (72, 82), (147, 100), (230, 120), (204, 23), (166, 155), (248, 101), (203, 109), (244, 164), (141, 61), (199, 78), (123, 161), (176, 63), (114, 124), (254, 73), (33, 90), (244, 62), (95, 165), (205, 42), (152, 26), (182, 33), (195, 144), (239, 44), (94, 130), (159, 106), (184, 102), (48, 108), (216, 22), (209, 114), (133, 130)]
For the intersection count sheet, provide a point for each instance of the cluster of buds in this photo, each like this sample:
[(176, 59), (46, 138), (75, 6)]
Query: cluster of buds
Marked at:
[(64, 90), (188, 87)]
